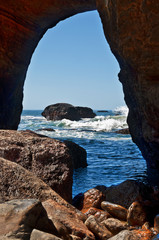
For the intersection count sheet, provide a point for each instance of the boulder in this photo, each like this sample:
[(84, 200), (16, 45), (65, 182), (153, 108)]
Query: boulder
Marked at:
[(61, 111), (66, 222), (99, 214), (136, 214), (125, 235), (78, 154), (91, 198), (126, 193), (99, 230), (114, 225), (19, 217), (18, 183), (47, 158), (39, 235), (115, 210)]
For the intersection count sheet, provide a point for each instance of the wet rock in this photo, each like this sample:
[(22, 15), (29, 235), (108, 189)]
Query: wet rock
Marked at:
[(126, 193), (115, 210), (97, 228), (99, 214), (39, 235), (123, 131), (136, 214), (18, 183), (156, 223), (143, 234), (47, 158), (78, 154), (114, 225), (66, 221), (60, 111), (19, 217), (91, 198)]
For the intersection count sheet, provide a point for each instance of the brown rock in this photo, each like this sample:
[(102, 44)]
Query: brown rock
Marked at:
[(99, 214), (16, 182), (60, 111), (115, 210), (101, 232), (39, 235), (19, 217), (136, 214), (156, 223), (47, 158), (66, 222), (91, 198), (143, 234), (114, 225)]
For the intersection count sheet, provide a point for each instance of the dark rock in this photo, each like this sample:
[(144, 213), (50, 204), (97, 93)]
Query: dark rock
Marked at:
[(46, 129), (126, 192), (102, 111), (79, 154), (115, 210), (156, 224), (60, 111), (123, 131), (47, 158)]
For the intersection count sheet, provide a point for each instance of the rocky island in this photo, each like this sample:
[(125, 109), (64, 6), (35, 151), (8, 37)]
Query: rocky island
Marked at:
[(60, 111)]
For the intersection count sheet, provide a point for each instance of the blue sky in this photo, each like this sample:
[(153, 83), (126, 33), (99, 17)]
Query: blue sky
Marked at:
[(73, 64)]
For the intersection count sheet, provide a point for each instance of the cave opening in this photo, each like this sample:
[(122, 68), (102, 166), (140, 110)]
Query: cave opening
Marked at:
[(74, 64)]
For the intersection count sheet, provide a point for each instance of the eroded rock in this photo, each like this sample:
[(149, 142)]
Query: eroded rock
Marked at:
[(39, 235), (114, 225), (136, 214)]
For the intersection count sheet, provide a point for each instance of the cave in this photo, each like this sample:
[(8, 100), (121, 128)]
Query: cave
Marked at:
[(131, 29)]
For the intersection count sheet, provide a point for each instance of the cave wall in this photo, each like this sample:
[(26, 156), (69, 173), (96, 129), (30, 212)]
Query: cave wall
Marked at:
[(132, 31)]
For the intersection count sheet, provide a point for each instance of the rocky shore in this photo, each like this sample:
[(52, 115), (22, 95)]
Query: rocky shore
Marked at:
[(36, 196)]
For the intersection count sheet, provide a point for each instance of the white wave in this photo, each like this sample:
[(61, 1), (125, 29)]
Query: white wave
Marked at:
[(122, 110), (99, 123), (32, 118)]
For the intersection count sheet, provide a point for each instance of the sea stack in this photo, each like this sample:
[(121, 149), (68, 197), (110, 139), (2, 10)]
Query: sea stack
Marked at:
[(60, 111)]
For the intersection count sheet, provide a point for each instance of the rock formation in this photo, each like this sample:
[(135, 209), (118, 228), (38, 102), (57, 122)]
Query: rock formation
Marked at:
[(49, 159), (60, 111), (131, 29)]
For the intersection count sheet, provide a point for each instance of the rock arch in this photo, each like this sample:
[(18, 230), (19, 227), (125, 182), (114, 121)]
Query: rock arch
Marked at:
[(131, 29)]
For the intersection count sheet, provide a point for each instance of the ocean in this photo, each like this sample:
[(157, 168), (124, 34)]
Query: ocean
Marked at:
[(111, 157)]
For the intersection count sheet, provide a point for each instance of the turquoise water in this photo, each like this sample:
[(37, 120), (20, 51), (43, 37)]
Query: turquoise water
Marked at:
[(112, 158)]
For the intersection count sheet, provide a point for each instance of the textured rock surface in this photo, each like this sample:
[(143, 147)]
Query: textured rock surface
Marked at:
[(66, 222), (47, 158), (19, 217), (136, 214), (115, 210), (60, 111), (18, 183), (131, 29), (39, 235)]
